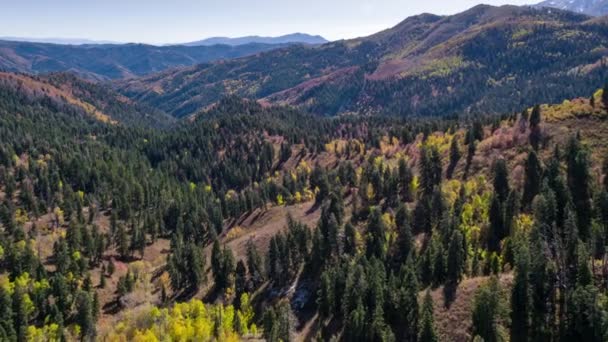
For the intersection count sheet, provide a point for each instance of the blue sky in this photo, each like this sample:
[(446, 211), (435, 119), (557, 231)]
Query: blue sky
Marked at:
[(173, 21)]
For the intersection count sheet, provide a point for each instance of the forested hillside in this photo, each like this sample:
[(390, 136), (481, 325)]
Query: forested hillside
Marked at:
[(484, 60), (105, 61), (266, 222)]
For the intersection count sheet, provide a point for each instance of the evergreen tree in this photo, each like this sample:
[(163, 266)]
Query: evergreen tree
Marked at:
[(409, 304), (520, 295), (579, 184), (254, 264), (501, 180), (427, 332), (122, 242), (489, 312), (85, 317), (535, 131), (376, 235), (456, 258), (497, 230), (532, 182), (240, 278), (455, 156), (350, 239)]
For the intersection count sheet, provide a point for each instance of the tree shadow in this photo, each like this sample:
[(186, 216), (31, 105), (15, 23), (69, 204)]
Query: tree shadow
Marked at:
[(449, 293), (112, 308)]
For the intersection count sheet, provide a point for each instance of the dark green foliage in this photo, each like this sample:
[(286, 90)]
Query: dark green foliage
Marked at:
[(85, 316), (520, 294), (586, 316), (455, 156), (430, 169), (501, 180), (579, 183), (489, 312), (456, 258), (186, 265), (533, 176), (497, 228), (364, 271), (427, 331), (277, 323), (376, 232), (535, 130)]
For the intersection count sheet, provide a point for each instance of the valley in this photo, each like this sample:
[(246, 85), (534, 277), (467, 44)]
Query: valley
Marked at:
[(442, 180)]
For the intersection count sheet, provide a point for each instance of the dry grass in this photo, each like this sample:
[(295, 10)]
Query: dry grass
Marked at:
[(454, 323)]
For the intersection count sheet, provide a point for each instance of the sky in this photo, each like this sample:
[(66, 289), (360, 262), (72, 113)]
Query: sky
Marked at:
[(179, 21)]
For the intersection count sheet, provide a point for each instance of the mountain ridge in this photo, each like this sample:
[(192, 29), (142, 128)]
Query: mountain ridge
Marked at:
[(284, 39), (425, 65), (110, 61), (66, 92)]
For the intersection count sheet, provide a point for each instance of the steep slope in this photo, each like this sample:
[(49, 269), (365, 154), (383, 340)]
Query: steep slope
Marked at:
[(589, 7), (487, 59), (103, 62), (66, 93), (286, 39)]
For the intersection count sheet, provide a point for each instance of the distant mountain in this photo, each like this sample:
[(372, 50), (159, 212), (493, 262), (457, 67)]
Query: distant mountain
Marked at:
[(486, 59), (104, 62), (60, 41), (286, 39), (589, 7)]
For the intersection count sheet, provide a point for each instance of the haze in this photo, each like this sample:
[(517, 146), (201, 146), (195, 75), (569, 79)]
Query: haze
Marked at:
[(162, 22)]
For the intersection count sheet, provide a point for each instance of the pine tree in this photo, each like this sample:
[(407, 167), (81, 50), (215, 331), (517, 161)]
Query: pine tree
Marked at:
[(241, 278), (376, 236), (455, 156), (579, 184), (535, 131), (430, 169), (325, 295), (497, 230), (254, 264), (84, 315), (427, 332), (520, 295), (195, 264), (409, 308), (122, 242), (216, 257), (532, 182), (405, 238), (471, 150), (405, 180), (6, 316), (501, 180), (350, 239), (456, 258), (489, 312)]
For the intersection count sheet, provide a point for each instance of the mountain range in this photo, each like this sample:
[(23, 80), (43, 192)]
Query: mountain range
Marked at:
[(60, 41), (486, 59), (104, 62), (286, 39), (589, 7)]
